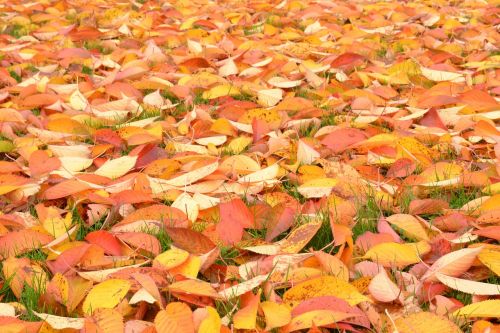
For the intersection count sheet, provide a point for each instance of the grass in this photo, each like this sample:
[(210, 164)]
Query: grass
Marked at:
[(323, 239), (257, 233), (254, 29), (367, 215), (87, 70), (328, 119), (381, 53), (95, 45), (18, 31), (227, 255), (198, 99), (30, 296), (227, 307), (404, 200), (30, 299), (16, 76), (292, 189), (456, 197), (35, 255), (307, 130), (163, 238), (243, 97)]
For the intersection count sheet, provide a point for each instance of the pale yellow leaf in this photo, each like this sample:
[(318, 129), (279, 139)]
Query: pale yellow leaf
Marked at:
[(468, 286), (193, 176), (186, 204), (117, 167), (61, 323), (269, 97), (383, 289), (305, 153), (453, 264)]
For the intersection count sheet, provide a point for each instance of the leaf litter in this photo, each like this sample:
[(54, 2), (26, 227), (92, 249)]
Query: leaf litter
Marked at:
[(205, 166)]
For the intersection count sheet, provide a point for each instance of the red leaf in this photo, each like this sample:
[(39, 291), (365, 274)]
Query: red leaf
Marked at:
[(331, 303), (106, 241), (432, 119), (402, 168), (190, 240), (142, 241), (234, 216), (64, 189), (347, 59), (40, 163), (19, 242), (341, 139)]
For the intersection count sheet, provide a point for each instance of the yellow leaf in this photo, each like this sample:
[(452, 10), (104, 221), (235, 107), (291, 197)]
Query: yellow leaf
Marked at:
[(270, 116), (277, 315), (223, 126), (221, 90), (171, 258), (317, 188), (425, 322), (412, 148), (106, 295), (399, 255), (246, 317), (300, 236), (58, 226), (323, 286), (491, 204), (189, 268), (211, 323), (490, 259), (489, 308), (409, 224), (408, 67), (440, 171), (238, 145)]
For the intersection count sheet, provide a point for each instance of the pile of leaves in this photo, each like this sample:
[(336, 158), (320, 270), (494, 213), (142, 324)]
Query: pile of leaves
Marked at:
[(272, 166)]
